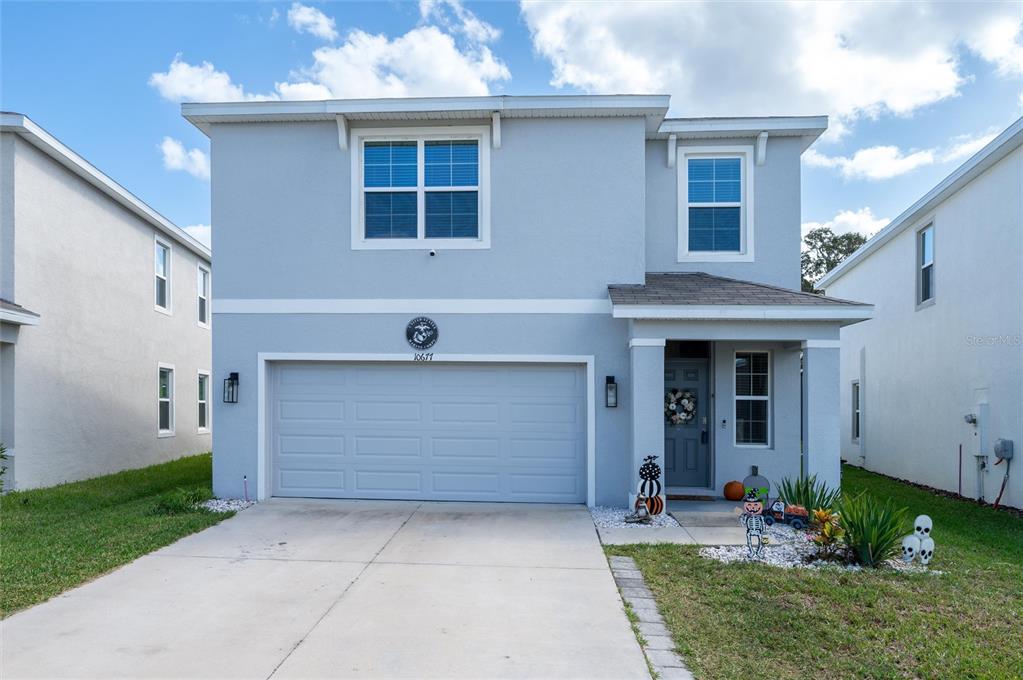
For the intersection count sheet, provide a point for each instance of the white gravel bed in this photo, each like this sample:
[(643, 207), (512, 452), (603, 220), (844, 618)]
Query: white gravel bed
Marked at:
[(789, 549), (607, 517), (226, 504)]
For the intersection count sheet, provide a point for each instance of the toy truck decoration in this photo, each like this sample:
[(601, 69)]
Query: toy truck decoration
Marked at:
[(795, 516)]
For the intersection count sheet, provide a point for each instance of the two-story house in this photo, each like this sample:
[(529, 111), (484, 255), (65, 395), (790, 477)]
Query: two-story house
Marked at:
[(105, 320), (935, 379), (498, 298)]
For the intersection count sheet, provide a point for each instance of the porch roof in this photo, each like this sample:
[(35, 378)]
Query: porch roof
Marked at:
[(697, 295), (16, 314)]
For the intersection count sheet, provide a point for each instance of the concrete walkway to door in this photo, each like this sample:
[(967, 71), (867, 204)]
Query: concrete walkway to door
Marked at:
[(337, 589)]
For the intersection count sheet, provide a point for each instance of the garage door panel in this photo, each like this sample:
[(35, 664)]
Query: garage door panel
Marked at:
[(485, 432)]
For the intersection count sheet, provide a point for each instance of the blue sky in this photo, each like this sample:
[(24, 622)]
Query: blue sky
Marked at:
[(912, 89)]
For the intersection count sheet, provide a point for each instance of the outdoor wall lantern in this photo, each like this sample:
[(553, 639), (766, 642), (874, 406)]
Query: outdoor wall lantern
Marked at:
[(231, 388), (610, 392)]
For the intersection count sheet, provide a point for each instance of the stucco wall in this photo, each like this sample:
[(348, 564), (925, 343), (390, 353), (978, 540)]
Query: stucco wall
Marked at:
[(86, 376), (922, 370), (776, 215)]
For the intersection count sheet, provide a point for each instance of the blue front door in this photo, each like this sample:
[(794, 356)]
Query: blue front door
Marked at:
[(687, 440)]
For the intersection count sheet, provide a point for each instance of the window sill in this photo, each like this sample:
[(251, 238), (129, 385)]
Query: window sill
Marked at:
[(203, 430), (925, 304), (426, 244), (711, 256), (756, 447), (203, 325), (163, 310), (164, 433)]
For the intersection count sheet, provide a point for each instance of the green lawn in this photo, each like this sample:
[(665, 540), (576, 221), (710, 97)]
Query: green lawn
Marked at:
[(748, 620), (57, 538)]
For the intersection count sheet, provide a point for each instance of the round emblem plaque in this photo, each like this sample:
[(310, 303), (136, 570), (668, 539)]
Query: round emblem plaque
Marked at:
[(421, 333)]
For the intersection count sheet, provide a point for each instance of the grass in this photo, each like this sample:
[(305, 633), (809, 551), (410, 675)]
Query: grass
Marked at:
[(735, 620), (57, 538)]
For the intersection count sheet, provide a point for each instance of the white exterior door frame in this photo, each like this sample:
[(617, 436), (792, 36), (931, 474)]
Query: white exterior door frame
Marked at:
[(263, 359)]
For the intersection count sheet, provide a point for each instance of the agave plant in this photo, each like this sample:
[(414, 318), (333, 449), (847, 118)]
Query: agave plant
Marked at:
[(809, 493), (873, 530)]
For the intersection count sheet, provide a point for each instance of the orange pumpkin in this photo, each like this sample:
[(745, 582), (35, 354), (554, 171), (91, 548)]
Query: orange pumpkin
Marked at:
[(734, 491)]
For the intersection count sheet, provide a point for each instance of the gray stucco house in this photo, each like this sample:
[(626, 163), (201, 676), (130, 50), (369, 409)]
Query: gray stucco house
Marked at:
[(104, 320), (935, 379), (489, 298)]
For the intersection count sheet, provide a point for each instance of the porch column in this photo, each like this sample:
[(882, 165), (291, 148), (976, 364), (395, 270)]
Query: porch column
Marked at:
[(647, 403), (821, 443)]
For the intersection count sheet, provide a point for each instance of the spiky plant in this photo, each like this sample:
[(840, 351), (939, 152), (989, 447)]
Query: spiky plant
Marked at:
[(873, 530), (809, 493)]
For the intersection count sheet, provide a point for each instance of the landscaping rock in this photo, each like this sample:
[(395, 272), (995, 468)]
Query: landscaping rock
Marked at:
[(226, 504), (614, 518)]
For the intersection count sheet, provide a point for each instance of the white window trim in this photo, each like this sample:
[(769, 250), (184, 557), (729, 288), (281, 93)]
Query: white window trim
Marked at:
[(173, 393), (204, 294), (769, 399), (209, 402), (745, 253), (920, 264), (856, 398), (419, 134), (157, 241)]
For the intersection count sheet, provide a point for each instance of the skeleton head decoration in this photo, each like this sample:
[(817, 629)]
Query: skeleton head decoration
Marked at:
[(926, 551), (922, 526), (910, 547)]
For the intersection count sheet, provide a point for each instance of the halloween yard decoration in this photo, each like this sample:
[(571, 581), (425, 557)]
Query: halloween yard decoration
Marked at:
[(757, 483), (910, 547), (640, 513), (795, 516), (753, 519), (919, 544), (650, 485)]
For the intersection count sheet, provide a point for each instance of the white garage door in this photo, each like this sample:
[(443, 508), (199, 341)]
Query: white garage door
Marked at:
[(486, 432)]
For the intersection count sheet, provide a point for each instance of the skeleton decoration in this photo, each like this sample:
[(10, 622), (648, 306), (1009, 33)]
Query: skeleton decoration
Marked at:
[(926, 551), (922, 526), (910, 547), (650, 485), (753, 519)]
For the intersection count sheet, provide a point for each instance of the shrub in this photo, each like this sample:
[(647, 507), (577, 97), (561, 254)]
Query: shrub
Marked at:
[(827, 532), (873, 530), (809, 493), (182, 500)]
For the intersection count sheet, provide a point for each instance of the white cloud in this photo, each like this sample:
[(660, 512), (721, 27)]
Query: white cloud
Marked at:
[(874, 163), (846, 221), (200, 232), (429, 60), (964, 146), (184, 82), (845, 59), (193, 161), (305, 19)]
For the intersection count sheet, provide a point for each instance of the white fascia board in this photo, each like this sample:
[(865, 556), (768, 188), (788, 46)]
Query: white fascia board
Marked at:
[(419, 306), (656, 106), (702, 128), (53, 147), (19, 318), (746, 312), (997, 149)]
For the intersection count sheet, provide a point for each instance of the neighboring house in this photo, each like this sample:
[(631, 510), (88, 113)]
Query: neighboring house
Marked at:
[(946, 344), (488, 298), (107, 364)]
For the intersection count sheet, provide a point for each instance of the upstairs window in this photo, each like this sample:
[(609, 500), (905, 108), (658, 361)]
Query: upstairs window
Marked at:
[(423, 190), (752, 398), (715, 221), (925, 265), (203, 288), (855, 411), (163, 274)]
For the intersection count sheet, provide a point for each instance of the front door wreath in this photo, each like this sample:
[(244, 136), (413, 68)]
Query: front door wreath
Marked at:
[(679, 407)]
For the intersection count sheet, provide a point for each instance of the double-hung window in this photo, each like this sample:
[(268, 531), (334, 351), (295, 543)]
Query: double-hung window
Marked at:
[(165, 400), (203, 288), (715, 196), (925, 265), (421, 188), (752, 398), (203, 415), (162, 264)]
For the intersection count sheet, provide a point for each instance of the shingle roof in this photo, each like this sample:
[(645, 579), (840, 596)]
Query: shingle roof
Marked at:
[(698, 288)]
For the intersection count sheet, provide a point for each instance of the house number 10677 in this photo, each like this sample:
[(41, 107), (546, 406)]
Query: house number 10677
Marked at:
[(423, 356)]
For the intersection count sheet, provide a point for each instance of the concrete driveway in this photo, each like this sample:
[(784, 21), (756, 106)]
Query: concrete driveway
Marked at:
[(305, 588)]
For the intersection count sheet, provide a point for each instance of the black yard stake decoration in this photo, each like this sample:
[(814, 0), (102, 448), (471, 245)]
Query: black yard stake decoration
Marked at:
[(650, 485)]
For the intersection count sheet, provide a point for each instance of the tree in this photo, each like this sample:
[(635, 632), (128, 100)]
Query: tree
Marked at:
[(823, 250)]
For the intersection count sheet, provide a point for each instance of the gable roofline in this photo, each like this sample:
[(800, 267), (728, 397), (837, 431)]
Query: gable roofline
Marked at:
[(652, 107), (28, 130), (1001, 146)]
